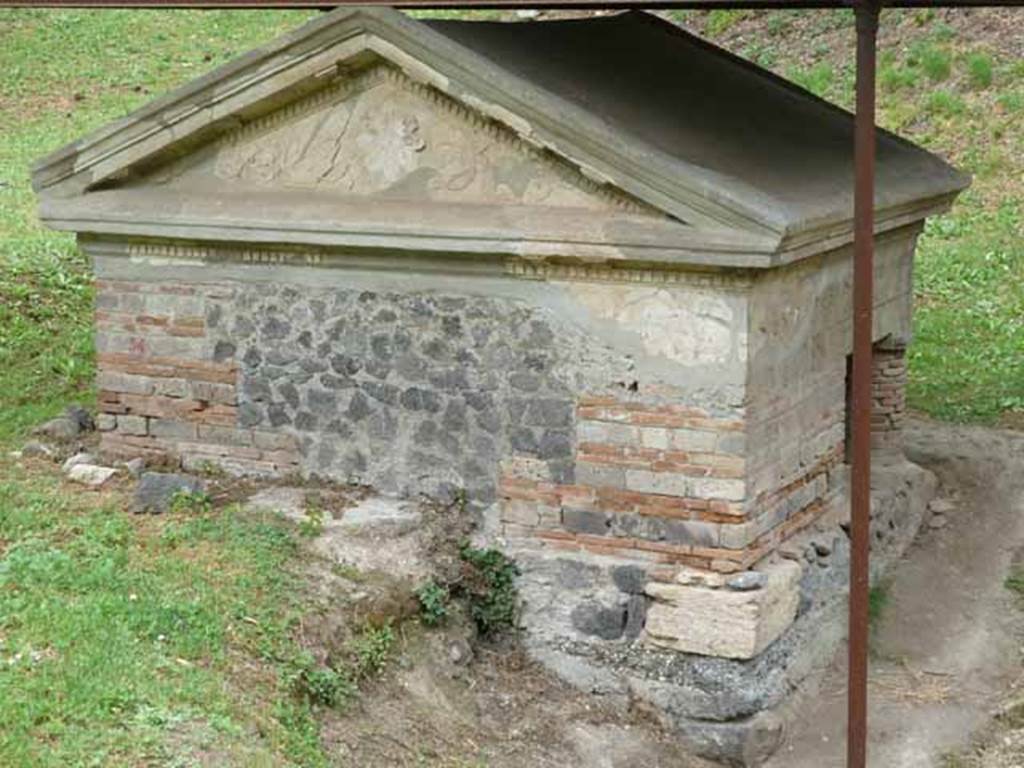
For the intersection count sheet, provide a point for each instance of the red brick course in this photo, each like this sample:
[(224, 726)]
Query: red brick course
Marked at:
[(687, 463), (677, 416), (722, 560), (888, 398), (174, 406), (666, 451)]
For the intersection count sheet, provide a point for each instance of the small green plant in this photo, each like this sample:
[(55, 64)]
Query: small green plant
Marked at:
[(319, 684), (936, 64), (778, 22), (1015, 581), (191, 502), (1012, 102), (347, 571), (312, 525), (933, 60), (761, 54), (210, 469), (924, 16), (817, 79), (488, 580), (721, 20), (878, 598), (979, 70), (327, 688), (894, 78), (945, 104), (433, 599), (371, 650)]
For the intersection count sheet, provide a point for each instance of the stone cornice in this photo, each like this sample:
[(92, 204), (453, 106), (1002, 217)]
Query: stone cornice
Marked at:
[(155, 253), (331, 47)]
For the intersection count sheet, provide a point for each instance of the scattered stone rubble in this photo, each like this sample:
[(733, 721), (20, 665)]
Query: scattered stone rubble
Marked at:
[(156, 491), (90, 474)]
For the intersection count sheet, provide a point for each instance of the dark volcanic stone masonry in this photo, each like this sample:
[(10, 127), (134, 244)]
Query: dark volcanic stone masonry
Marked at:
[(436, 389)]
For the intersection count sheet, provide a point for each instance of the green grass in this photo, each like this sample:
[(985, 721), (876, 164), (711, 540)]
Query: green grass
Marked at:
[(1015, 581), (817, 79), (878, 598), (719, 22), (945, 104), (979, 69), (968, 354), (893, 77), (933, 60), (109, 62), (128, 640), (123, 640)]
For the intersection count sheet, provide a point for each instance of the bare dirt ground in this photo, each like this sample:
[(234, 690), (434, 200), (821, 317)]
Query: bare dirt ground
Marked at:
[(947, 648), (447, 698), (946, 652), (499, 712)]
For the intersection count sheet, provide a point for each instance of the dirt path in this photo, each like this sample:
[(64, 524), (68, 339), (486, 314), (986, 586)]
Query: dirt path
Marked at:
[(947, 645)]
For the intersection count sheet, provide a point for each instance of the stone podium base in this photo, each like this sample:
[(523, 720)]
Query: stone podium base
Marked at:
[(595, 623)]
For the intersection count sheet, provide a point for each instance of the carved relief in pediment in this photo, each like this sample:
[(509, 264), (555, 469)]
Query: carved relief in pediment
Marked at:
[(379, 134)]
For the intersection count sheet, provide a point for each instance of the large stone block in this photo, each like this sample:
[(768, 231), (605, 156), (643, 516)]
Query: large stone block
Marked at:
[(725, 622)]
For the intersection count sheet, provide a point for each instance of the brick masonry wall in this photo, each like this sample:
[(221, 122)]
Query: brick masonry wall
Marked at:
[(421, 393), (796, 390), (888, 398), (430, 393), (662, 484), (166, 389)]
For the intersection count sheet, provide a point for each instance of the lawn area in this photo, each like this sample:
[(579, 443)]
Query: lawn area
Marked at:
[(168, 640), (145, 640), (109, 63), (123, 640)]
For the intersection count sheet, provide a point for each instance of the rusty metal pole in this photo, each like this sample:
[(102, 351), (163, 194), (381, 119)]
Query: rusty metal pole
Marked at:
[(867, 12)]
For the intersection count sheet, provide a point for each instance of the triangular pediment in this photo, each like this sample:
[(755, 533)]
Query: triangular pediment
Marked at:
[(661, 147), (366, 104), (375, 133)]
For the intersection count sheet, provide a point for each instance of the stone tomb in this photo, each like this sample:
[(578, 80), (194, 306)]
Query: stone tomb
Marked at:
[(593, 275)]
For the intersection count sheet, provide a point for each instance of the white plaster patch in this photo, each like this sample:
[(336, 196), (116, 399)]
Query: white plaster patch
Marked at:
[(687, 327)]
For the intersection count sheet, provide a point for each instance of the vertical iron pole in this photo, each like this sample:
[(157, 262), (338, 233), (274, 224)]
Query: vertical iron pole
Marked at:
[(867, 12)]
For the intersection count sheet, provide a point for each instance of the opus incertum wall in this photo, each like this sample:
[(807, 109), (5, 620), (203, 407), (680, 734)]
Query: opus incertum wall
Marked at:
[(605, 294)]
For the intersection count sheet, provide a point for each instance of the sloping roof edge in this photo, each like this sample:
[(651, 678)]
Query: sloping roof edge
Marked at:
[(312, 52)]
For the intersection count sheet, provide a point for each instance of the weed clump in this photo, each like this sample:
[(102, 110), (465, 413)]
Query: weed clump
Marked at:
[(817, 79), (191, 502), (312, 524), (979, 70), (320, 685), (1015, 581), (433, 599), (488, 581), (933, 60), (371, 651), (945, 104), (720, 21), (895, 78), (878, 598), (335, 685), (485, 586)]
